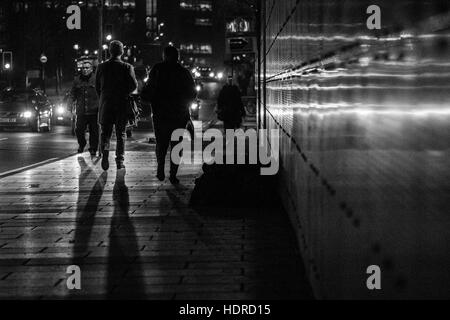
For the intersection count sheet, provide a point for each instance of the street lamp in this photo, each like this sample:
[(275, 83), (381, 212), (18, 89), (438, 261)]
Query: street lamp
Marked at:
[(76, 46), (109, 37), (86, 52), (104, 51), (7, 66)]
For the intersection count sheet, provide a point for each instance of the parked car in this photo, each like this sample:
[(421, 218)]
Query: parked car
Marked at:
[(25, 109), (194, 109), (63, 112)]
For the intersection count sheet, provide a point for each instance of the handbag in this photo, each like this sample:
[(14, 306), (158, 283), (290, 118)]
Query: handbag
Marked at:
[(132, 111)]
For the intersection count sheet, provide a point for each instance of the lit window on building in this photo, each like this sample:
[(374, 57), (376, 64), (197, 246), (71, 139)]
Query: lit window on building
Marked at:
[(197, 5), (151, 22), (152, 7), (238, 25), (203, 22), (206, 49), (195, 48), (113, 3), (205, 5), (129, 4)]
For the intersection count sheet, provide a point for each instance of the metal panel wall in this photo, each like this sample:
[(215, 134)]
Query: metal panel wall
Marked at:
[(365, 142)]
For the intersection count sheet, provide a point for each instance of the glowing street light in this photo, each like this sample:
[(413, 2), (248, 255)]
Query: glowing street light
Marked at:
[(76, 46), (105, 47), (109, 37), (86, 51), (7, 66)]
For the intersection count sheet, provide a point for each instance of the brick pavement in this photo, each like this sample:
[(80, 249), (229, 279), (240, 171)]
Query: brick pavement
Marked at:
[(135, 237)]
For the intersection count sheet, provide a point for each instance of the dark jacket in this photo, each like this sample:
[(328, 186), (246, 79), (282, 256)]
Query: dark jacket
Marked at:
[(229, 105), (170, 89), (115, 81), (84, 96)]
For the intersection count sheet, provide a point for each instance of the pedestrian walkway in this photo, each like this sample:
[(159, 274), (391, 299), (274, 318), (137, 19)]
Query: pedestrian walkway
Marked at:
[(135, 237)]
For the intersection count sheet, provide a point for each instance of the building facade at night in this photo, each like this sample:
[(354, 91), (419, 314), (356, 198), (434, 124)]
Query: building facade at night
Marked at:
[(40, 29), (197, 28)]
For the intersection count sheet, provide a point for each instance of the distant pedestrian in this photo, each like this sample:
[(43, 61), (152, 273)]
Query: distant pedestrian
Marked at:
[(170, 89), (84, 97), (230, 108), (115, 81)]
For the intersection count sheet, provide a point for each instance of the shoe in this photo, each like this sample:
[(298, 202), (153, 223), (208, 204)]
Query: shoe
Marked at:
[(120, 165), (160, 174), (174, 180), (105, 162)]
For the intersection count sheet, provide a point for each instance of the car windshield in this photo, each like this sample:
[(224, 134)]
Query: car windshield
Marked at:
[(12, 99), (8, 95)]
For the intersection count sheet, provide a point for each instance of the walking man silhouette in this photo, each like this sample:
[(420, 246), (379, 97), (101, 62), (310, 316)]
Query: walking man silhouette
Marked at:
[(115, 81), (170, 89)]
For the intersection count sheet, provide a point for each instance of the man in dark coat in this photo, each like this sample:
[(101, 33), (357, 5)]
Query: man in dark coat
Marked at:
[(170, 89), (230, 108), (86, 108), (115, 81)]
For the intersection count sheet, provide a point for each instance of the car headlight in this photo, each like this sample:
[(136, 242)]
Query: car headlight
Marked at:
[(194, 106), (27, 114), (60, 110), (212, 74)]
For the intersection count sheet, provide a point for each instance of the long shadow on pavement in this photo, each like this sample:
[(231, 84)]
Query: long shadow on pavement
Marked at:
[(86, 212), (123, 248)]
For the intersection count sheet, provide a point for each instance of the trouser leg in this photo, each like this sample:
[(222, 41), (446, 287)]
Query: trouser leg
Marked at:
[(93, 133), (106, 132), (162, 141), (177, 125), (120, 136), (80, 130)]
